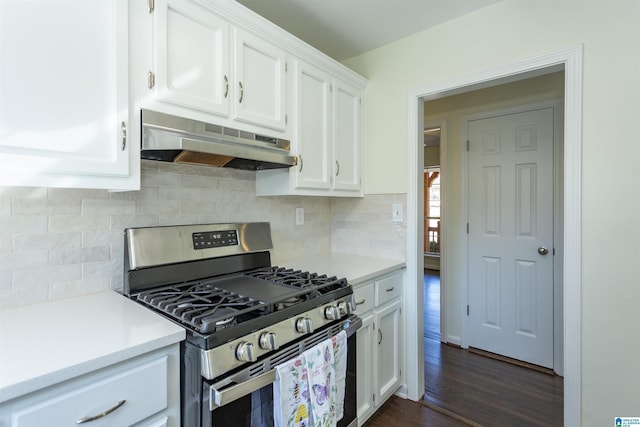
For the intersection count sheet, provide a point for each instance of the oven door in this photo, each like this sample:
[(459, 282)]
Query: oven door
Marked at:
[(246, 397)]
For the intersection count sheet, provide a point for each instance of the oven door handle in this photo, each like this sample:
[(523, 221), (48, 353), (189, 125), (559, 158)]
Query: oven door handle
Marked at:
[(222, 393)]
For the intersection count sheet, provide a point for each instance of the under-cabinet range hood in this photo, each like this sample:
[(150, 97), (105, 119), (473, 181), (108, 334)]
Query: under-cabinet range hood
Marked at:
[(177, 139)]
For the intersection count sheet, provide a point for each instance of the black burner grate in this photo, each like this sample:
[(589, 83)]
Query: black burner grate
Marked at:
[(315, 283), (217, 303), (203, 306)]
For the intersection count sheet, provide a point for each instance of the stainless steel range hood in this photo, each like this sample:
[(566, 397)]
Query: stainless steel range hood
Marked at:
[(177, 139)]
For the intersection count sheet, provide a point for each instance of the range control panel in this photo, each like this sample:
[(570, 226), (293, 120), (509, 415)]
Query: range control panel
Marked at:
[(214, 239)]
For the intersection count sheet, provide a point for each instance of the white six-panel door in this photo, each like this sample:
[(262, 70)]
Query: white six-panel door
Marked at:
[(511, 235)]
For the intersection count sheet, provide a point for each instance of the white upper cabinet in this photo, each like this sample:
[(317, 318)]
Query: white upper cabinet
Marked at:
[(347, 140), (327, 138), (190, 54), (260, 80), (313, 137), (198, 64), (64, 106)]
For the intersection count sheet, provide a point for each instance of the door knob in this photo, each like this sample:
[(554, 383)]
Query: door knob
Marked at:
[(542, 250)]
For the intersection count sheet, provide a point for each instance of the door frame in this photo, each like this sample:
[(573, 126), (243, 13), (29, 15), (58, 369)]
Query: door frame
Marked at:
[(558, 144), (569, 60), (442, 124)]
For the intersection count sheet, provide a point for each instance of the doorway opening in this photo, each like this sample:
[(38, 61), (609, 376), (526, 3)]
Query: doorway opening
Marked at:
[(569, 61)]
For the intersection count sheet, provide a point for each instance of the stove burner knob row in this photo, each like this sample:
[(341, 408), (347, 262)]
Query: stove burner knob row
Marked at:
[(244, 352), (268, 341), (304, 325), (331, 313)]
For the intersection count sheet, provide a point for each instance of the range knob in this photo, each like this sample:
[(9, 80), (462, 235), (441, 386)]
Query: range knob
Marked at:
[(244, 352), (331, 312), (345, 307), (268, 341), (304, 325)]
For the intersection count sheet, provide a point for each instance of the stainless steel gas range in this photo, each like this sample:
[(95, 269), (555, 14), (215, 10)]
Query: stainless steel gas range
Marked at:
[(243, 316)]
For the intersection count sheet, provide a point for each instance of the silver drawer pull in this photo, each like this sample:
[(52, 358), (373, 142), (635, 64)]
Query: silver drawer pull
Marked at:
[(101, 415), (391, 289), (360, 302)]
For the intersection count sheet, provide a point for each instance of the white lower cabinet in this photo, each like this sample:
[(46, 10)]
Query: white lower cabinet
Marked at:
[(379, 342), (143, 391)]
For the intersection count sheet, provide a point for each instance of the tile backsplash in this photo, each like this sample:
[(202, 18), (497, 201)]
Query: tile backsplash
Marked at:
[(57, 243)]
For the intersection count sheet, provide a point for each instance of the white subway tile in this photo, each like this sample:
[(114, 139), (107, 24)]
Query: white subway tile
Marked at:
[(69, 223), (108, 207), (23, 224), (24, 295), (78, 287), (78, 255), (46, 275), (39, 241), (23, 261)]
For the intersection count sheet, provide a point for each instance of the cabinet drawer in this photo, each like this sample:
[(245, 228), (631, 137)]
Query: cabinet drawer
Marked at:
[(388, 288), (364, 298), (143, 390)]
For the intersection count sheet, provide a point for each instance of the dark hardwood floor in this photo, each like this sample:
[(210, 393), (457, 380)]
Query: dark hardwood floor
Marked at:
[(474, 389)]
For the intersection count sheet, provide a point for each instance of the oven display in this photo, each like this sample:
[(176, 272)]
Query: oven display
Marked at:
[(214, 239)]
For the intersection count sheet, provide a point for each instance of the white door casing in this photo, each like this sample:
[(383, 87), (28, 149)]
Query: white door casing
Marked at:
[(510, 227)]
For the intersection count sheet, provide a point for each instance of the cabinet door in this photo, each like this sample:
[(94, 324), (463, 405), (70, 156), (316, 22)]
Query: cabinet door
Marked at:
[(364, 368), (388, 350), (347, 138), (63, 92), (260, 81), (190, 57), (312, 136)]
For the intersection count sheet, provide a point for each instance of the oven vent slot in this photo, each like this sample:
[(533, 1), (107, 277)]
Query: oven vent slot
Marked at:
[(279, 358)]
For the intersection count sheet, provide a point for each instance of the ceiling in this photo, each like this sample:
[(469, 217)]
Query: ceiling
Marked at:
[(345, 28)]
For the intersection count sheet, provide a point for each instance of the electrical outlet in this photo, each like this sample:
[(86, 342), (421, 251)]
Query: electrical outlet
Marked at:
[(299, 216), (396, 215)]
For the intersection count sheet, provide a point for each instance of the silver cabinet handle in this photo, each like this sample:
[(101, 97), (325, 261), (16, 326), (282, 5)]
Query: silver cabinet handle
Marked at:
[(360, 302), (220, 394), (241, 92), (379, 337), (226, 86), (337, 168), (390, 289), (124, 135), (101, 415), (301, 163)]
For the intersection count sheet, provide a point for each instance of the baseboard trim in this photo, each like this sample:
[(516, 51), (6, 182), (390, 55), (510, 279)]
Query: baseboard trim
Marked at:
[(511, 361)]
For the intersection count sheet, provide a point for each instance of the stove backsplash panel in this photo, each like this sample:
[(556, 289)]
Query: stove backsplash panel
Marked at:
[(56, 243)]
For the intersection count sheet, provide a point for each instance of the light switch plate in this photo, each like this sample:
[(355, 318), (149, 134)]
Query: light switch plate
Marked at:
[(396, 215)]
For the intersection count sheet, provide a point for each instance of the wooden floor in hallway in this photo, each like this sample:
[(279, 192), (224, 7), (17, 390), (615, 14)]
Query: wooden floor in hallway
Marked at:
[(475, 390)]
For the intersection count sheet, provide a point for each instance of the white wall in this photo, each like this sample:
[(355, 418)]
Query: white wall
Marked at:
[(502, 34)]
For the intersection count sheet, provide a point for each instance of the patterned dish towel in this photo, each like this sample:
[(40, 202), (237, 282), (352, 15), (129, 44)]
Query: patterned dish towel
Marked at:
[(339, 343), (291, 394), (309, 389), (322, 384)]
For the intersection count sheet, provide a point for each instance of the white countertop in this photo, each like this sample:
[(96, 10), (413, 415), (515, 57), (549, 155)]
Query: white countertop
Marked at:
[(44, 344), (355, 268)]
